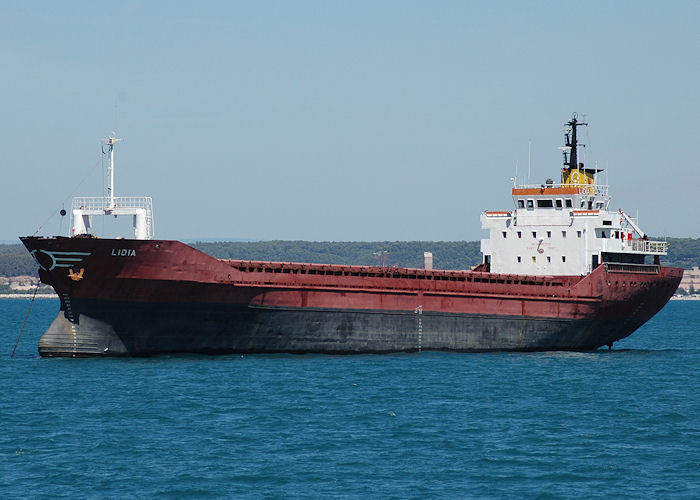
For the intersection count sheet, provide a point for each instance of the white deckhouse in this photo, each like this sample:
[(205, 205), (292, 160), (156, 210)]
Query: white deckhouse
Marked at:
[(565, 228)]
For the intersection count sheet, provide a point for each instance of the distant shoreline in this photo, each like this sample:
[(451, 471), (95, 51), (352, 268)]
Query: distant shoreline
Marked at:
[(28, 295)]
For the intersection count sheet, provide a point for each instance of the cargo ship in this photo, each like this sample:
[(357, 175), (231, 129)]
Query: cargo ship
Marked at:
[(560, 271)]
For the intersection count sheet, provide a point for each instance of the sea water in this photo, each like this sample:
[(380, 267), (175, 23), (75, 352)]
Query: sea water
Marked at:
[(623, 423)]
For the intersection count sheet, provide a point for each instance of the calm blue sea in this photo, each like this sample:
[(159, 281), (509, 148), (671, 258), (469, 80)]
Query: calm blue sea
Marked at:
[(621, 424)]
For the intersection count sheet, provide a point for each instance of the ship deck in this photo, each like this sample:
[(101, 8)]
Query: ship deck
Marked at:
[(268, 272)]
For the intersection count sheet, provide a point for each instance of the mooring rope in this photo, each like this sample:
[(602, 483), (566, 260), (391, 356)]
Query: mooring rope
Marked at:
[(25, 319)]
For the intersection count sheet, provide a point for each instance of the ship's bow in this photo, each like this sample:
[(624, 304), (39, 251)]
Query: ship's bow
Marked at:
[(62, 265)]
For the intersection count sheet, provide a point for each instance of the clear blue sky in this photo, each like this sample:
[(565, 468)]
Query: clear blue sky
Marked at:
[(328, 120)]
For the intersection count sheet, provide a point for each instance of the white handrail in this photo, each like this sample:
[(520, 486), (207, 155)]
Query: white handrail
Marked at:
[(599, 189), (105, 203)]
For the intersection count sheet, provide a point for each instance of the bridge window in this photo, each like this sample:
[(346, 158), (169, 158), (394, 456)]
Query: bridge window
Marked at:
[(521, 203), (545, 203), (558, 202), (530, 204), (569, 204)]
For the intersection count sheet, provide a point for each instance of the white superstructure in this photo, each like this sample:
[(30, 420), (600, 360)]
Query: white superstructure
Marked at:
[(139, 207), (565, 228)]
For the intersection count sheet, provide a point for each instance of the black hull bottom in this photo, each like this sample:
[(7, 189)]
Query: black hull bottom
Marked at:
[(98, 328)]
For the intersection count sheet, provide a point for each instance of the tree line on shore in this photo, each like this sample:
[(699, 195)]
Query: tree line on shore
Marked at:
[(16, 261)]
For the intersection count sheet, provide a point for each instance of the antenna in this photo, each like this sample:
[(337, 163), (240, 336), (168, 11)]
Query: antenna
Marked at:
[(115, 114), (119, 98), (529, 144)]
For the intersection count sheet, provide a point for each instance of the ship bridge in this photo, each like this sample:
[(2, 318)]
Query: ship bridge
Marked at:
[(561, 196), (565, 228)]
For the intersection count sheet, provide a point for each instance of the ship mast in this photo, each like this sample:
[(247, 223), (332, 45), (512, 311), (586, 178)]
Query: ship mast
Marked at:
[(139, 207), (110, 142), (571, 149)]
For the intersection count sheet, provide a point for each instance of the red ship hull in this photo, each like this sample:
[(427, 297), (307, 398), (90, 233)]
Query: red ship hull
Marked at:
[(147, 297)]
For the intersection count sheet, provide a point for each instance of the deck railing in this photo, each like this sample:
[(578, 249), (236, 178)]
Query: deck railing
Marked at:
[(103, 202), (646, 246), (598, 189)]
